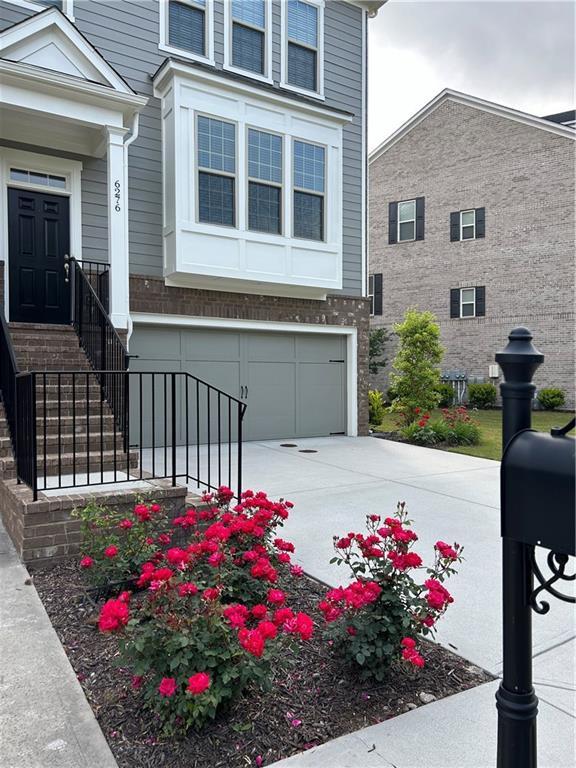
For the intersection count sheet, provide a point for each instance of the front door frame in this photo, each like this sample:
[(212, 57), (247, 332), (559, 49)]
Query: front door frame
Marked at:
[(71, 170)]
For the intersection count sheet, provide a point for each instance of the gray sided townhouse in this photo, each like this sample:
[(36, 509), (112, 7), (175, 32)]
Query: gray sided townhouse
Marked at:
[(212, 155), (472, 217)]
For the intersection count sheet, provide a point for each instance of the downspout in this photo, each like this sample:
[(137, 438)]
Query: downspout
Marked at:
[(128, 139)]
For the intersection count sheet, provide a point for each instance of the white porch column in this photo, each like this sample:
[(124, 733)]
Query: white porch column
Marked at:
[(117, 180)]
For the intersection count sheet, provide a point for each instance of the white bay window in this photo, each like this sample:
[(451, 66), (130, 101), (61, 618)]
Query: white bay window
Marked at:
[(252, 187)]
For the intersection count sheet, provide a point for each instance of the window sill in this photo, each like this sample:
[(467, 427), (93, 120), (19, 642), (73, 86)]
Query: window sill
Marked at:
[(248, 74), (181, 53), (303, 92)]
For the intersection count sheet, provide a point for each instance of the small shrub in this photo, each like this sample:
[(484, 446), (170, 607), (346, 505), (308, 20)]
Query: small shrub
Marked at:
[(379, 616), (210, 620), (482, 395), (455, 427), (415, 374), (377, 341), (391, 394), (376, 406), (551, 398), (446, 392)]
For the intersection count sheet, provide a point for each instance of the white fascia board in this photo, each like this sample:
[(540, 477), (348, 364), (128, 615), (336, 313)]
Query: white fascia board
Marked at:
[(81, 91), (52, 17), (372, 6), (163, 79), (470, 101)]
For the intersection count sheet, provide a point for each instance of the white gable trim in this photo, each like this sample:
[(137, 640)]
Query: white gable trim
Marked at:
[(50, 37), (67, 6), (470, 101)]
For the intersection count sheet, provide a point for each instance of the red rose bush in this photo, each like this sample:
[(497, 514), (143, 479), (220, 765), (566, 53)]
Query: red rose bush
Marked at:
[(209, 616), (380, 615)]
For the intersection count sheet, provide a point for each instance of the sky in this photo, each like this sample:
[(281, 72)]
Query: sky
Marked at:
[(520, 54)]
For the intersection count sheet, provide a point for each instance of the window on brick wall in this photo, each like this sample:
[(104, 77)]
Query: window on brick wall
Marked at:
[(467, 225), (468, 302), (406, 221)]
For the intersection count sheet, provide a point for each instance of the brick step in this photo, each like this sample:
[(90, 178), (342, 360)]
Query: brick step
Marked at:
[(55, 366), (67, 462), (79, 441), (39, 328), (52, 425), (48, 353), (50, 407)]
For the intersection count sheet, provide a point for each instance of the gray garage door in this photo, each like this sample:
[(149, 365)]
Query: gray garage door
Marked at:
[(294, 384)]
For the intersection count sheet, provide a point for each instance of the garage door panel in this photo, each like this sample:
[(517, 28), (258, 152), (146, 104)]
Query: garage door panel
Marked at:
[(271, 408), (156, 343), (270, 347), (321, 403), (314, 348), (210, 345), (222, 375)]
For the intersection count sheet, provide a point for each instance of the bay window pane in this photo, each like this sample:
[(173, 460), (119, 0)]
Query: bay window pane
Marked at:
[(264, 156), (248, 48), (216, 199), (186, 28), (308, 216), (264, 208), (216, 144), (309, 166)]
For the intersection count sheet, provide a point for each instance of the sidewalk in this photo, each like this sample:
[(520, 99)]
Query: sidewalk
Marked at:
[(45, 720)]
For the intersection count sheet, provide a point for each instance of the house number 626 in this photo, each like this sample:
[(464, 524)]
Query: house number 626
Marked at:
[(117, 195)]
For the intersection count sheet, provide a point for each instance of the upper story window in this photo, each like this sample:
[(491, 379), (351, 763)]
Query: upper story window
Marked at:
[(264, 182), (302, 60), (249, 36), (186, 28), (216, 142), (468, 225), (468, 302), (309, 190), (406, 221)]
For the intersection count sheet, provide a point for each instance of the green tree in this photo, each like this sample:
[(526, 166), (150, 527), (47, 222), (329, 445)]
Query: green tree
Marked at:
[(378, 339), (415, 372)]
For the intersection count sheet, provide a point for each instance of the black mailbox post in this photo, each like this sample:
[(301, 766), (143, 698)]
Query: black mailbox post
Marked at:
[(538, 509)]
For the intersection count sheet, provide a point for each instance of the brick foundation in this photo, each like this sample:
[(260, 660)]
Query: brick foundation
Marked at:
[(150, 294)]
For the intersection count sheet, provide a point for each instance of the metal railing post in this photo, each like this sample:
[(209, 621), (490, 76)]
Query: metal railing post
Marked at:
[(516, 700), (34, 447), (173, 430)]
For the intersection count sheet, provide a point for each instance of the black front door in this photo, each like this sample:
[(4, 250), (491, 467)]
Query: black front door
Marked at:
[(38, 242)]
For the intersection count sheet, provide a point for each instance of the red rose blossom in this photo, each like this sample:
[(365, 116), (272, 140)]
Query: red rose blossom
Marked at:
[(167, 687), (252, 641), (111, 551), (198, 683), (114, 615), (86, 562)]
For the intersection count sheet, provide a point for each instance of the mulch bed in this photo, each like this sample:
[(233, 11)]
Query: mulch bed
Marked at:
[(315, 696)]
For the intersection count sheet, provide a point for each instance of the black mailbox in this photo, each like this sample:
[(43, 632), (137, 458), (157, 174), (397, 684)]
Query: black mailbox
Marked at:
[(538, 490)]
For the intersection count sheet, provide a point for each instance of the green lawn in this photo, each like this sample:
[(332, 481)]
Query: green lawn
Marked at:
[(490, 445)]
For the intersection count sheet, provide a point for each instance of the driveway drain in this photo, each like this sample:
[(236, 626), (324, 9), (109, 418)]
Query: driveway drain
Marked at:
[(288, 445), (307, 450)]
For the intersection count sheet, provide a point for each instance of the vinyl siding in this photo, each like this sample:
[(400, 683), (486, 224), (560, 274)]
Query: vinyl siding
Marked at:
[(126, 33)]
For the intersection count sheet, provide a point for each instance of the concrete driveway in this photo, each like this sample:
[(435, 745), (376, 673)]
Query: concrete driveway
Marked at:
[(450, 497)]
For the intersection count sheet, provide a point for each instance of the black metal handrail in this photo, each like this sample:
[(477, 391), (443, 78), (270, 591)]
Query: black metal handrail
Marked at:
[(8, 371), (179, 427), (101, 342), (98, 274)]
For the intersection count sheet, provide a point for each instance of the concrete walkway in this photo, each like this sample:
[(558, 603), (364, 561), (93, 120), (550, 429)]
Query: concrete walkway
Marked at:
[(45, 720), (450, 497)]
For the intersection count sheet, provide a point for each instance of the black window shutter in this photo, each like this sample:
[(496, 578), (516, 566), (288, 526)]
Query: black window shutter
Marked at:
[(480, 222), (378, 294), (419, 218), (454, 226), (455, 302), (392, 222), (480, 300)]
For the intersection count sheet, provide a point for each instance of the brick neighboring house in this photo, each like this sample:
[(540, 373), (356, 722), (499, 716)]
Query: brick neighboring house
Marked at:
[(471, 216)]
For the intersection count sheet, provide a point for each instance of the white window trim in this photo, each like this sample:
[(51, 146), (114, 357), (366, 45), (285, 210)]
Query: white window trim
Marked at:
[(30, 5), (70, 169), (350, 332), (267, 76), (371, 294), (323, 195), (462, 302), (407, 221), (470, 210), (319, 94), (265, 182), (182, 53)]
